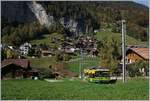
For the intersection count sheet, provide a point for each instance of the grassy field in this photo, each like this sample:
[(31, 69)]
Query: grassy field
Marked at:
[(43, 62), (86, 62), (44, 39), (73, 65), (129, 40), (47, 39), (136, 89)]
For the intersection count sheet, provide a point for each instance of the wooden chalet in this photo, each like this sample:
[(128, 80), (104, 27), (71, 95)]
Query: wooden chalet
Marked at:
[(16, 68), (137, 53)]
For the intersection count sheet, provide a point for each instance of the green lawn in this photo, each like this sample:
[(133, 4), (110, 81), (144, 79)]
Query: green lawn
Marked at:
[(43, 62), (136, 89), (86, 62)]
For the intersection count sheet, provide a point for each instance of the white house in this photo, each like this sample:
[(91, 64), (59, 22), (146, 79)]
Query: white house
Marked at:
[(24, 48), (69, 50)]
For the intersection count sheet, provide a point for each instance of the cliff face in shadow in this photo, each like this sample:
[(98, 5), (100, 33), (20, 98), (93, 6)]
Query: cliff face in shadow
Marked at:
[(16, 12), (27, 12)]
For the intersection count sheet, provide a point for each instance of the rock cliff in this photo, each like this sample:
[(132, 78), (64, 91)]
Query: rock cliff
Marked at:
[(16, 12)]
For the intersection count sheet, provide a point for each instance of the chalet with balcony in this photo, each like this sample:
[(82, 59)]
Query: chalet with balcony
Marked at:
[(137, 53)]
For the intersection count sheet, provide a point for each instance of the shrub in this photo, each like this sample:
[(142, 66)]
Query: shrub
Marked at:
[(46, 73), (66, 57), (134, 69), (31, 52), (59, 56)]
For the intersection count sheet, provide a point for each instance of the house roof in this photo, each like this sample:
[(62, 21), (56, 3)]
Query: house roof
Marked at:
[(34, 71), (143, 52), (19, 62)]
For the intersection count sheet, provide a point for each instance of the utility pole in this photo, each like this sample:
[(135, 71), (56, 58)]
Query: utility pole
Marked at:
[(123, 50), (80, 67)]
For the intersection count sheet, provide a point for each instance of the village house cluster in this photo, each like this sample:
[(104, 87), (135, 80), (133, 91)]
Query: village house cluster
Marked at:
[(18, 66)]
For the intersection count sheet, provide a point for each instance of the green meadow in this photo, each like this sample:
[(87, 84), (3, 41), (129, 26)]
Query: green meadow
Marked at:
[(135, 89)]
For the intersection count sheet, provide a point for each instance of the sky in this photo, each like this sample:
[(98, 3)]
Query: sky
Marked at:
[(144, 2)]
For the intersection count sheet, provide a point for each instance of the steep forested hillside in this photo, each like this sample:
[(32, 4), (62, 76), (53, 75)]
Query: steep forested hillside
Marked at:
[(73, 18)]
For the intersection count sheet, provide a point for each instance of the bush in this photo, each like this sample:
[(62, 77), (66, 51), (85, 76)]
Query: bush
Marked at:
[(134, 69), (46, 73), (59, 56), (31, 52), (66, 57)]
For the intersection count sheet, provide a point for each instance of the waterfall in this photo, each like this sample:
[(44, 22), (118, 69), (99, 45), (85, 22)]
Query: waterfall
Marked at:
[(41, 14)]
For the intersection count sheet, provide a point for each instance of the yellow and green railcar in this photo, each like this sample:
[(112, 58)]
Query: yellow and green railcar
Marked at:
[(99, 75)]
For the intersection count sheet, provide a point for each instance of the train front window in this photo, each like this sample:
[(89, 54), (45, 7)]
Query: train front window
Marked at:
[(102, 74)]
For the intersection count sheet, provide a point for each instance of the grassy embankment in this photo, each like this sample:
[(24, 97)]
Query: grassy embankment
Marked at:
[(129, 40), (43, 62)]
